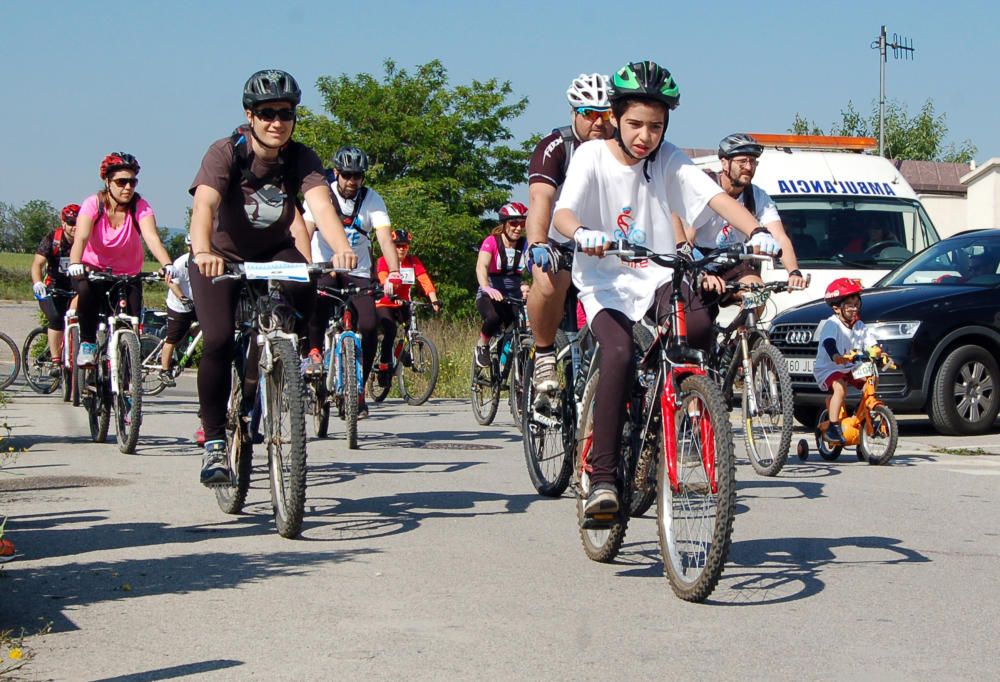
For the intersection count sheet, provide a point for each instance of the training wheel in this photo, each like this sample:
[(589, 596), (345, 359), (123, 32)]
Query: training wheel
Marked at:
[(802, 449)]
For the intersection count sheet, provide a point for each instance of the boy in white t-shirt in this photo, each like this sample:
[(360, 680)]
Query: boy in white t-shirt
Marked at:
[(840, 334), (628, 188)]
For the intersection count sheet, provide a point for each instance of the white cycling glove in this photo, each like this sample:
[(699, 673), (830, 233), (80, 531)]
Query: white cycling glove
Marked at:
[(169, 272), (589, 239), (764, 243), (40, 290), (75, 270)]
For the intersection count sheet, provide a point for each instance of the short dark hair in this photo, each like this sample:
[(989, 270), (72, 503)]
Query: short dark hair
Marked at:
[(620, 106)]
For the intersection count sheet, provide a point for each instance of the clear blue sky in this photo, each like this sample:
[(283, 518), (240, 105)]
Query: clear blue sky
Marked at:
[(162, 80)]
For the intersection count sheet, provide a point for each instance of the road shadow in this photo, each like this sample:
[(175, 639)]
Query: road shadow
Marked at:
[(335, 473), (37, 594), (175, 671)]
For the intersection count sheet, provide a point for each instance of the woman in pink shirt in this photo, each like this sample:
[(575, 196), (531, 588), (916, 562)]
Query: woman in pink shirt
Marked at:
[(110, 229)]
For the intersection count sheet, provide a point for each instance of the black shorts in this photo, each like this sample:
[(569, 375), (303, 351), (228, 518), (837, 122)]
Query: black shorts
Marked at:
[(178, 325), (54, 308)]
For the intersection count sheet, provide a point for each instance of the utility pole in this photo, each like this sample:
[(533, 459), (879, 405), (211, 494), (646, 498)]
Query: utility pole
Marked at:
[(902, 48)]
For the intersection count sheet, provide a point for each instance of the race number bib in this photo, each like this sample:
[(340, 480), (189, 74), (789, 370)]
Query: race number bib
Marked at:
[(64, 264), (408, 275)]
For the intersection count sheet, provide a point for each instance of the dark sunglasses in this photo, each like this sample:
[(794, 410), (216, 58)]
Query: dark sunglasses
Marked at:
[(70, 221), (514, 223), (352, 175), (123, 182), (270, 114)]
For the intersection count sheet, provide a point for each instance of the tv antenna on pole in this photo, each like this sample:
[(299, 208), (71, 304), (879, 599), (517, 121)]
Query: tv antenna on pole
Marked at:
[(902, 48)]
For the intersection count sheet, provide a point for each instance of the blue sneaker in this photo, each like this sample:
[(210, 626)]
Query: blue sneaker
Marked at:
[(87, 355), (214, 464)]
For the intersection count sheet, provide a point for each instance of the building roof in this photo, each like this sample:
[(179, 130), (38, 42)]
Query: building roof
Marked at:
[(934, 176)]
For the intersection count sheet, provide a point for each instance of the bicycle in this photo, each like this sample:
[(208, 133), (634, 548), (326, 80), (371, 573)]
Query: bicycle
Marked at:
[(10, 361), (415, 363), (679, 413), (872, 427), (152, 347), (114, 381), (343, 376), (41, 372), (745, 355), (508, 359), (267, 344)]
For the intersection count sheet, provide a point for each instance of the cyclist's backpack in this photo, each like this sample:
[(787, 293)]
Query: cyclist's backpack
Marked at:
[(569, 144), (359, 200), (505, 267), (285, 176), (130, 208), (57, 241)]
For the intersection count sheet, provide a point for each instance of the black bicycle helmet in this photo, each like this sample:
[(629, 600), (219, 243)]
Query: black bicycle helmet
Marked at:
[(739, 144), (350, 160), (645, 80), (271, 85), (400, 237)]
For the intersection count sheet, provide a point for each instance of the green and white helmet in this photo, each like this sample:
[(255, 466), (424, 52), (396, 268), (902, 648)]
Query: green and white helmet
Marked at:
[(645, 80)]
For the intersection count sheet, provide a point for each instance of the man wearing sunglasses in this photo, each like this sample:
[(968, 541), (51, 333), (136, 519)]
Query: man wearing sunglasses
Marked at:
[(245, 208), (49, 268), (361, 211), (591, 111)]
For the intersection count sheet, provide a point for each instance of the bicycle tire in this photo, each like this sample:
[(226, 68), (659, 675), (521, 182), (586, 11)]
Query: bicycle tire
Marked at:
[(515, 392), (418, 380), (828, 452), (128, 402), (484, 390), (768, 432), (695, 523), (882, 421), (96, 400), (239, 449), (320, 407), (36, 362), (150, 347), (372, 389), (70, 375), (285, 436), (549, 448), (350, 397), (10, 361), (600, 542)]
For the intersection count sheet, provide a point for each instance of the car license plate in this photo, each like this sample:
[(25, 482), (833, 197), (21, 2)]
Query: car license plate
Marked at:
[(800, 365)]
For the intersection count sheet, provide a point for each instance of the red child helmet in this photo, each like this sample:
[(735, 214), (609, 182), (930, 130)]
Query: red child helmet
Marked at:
[(841, 288)]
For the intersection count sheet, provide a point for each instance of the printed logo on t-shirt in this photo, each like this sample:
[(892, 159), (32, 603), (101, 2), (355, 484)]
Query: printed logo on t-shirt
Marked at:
[(264, 207), (728, 236), (353, 230), (626, 228)]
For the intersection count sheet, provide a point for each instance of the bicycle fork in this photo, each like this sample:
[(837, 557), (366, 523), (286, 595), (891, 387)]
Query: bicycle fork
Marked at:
[(669, 406)]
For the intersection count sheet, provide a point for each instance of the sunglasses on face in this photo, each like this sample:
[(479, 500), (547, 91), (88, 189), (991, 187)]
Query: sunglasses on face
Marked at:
[(70, 221), (125, 182), (514, 223), (270, 114), (351, 175), (593, 115)]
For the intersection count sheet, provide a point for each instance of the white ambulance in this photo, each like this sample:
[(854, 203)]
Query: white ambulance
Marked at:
[(848, 213)]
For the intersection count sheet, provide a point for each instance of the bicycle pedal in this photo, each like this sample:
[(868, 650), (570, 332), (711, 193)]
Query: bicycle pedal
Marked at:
[(599, 521)]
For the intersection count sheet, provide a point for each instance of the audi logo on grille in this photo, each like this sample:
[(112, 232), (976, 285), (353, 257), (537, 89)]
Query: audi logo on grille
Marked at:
[(799, 336)]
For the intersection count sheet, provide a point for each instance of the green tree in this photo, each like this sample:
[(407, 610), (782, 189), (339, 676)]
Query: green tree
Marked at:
[(10, 229), (36, 218), (440, 154), (175, 244)]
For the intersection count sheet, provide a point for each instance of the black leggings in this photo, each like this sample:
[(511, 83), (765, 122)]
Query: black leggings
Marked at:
[(388, 318), (92, 299), (54, 308), (215, 306), (362, 313), (613, 331), (496, 315)]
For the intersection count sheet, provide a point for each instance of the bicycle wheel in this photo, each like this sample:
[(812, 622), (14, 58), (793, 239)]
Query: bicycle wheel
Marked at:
[(767, 410), (128, 401), (549, 443), (695, 519), (827, 451), (41, 373), (70, 384), (373, 389), (485, 390), (239, 449), (95, 396), (350, 397), (418, 378), (10, 361), (644, 481), (879, 446), (150, 347), (319, 406), (515, 393), (602, 538), (285, 436)]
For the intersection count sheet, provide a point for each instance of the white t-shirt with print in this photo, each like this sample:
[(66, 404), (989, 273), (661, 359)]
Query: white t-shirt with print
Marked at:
[(372, 216), (847, 338), (616, 199), (717, 233), (183, 280)]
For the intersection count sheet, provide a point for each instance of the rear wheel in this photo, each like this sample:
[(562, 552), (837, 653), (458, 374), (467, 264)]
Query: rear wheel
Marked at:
[(695, 517), (378, 385), (350, 355), (71, 384), (285, 437), (549, 443), (879, 446), (150, 347), (485, 390), (515, 395), (10, 361), (319, 406), (128, 401), (418, 378), (826, 450), (767, 411), (239, 450), (41, 373)]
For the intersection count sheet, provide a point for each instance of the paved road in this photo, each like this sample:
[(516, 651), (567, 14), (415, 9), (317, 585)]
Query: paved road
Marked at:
[(427, 555)]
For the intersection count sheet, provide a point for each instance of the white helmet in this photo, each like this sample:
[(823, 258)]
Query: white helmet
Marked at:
[(589, 91)]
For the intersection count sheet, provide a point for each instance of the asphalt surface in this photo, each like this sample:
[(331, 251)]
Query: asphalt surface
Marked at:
[(426, 554)]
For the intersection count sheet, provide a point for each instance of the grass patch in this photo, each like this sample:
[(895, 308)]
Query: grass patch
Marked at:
[(15, 280), (964, 452)]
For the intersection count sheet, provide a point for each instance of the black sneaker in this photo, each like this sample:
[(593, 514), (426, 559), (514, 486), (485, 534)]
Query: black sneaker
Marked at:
[(603, 499), (482, 356), (214, 467), (167, 378)]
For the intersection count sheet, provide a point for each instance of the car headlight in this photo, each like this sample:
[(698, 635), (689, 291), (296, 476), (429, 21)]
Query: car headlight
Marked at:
[(886, 331)]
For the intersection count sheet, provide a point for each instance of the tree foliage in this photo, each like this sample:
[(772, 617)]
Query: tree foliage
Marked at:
[(919, 137), (21, 229), (441, 156)]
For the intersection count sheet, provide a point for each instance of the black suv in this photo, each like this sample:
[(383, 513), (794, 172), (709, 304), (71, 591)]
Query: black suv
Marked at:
[(938, 317)]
